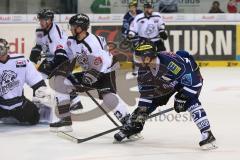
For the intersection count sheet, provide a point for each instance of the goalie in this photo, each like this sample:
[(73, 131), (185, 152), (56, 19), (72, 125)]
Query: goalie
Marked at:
[(15, 71)]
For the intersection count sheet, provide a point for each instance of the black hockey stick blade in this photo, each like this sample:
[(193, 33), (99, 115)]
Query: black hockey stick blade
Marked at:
[(79, 140)]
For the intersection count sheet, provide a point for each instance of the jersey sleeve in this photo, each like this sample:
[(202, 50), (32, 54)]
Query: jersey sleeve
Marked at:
[(32, 75), (125, 25), (161, 25), (39, 35), (58, 46), (133, 29)]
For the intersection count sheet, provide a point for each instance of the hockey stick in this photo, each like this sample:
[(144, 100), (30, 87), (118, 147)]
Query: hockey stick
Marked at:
[(79, 140), (104, 111)]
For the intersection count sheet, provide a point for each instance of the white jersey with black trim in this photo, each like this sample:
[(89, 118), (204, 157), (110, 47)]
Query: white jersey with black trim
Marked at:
[(147, 27), (91, 53), (53, 41), (14, 73)]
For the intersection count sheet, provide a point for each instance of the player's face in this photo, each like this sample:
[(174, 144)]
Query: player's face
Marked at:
[(75, 30), (45, 24), (145, 61), (148, 11), (132, 9)]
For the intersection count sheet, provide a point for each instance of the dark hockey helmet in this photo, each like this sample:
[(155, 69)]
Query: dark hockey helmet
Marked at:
[(81, 20), (4, 47), (45, 14), (144, 50), (148, 5)]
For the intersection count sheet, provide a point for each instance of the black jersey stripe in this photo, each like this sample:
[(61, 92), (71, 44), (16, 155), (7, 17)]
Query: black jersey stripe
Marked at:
[(87, 45), (49, 38), (148, 17), (16, 57), (11, 101), (99, 41), (59, 31)]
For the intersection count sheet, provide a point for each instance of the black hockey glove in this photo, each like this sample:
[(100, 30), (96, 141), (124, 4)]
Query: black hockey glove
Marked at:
[(35, 55), (90, 77), (163, 35), (180, 102)]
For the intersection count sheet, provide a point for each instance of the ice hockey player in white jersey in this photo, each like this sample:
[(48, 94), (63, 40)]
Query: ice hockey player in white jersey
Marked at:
[(15, 71), (91, 53), (149, 25), (51, 41)]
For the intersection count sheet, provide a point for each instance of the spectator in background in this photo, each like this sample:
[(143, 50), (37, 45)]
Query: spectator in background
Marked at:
[(215, 8), (232, 6), (168, 6)]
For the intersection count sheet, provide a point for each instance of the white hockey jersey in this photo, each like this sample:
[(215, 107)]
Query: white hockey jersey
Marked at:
[(91, 53), (147, 27), (14, 73), (52, 42)]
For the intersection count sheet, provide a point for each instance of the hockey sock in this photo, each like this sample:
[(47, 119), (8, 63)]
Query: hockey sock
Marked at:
[(199, 117), (115, 103)]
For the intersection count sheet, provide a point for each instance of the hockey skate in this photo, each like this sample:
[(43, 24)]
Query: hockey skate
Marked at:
[(64, 125), (76, 105), (208, 142), (126, 132), (120, 136)]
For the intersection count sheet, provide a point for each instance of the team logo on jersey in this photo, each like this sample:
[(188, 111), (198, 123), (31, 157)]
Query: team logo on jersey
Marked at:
[(8, 81), (174, 68), (39, 35), (21, 63), (97, 61), (59, 47), (155, 21), (69, 43), (187, 79), (82, 60), (150, 29)]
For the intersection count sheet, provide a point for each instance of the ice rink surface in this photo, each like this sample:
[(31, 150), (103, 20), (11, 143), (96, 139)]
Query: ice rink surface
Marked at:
[(165, 138)]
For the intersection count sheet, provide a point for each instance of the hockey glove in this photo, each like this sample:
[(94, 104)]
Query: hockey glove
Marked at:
[(90, 77), (35, 55), (180, 102), (43, 96), (163, 35)]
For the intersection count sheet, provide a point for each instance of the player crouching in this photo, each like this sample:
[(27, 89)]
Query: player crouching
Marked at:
[(180, 72), (15, 71)]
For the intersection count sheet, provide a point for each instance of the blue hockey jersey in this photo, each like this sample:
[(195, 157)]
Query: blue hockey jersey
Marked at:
[(127, 19)]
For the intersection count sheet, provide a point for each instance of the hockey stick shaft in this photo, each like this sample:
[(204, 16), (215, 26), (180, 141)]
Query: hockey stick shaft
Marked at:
[(77, 140), (99, 106)]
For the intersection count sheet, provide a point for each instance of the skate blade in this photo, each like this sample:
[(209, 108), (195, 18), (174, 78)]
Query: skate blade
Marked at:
[(78, 111), (136, 137), (61, 129), (209, 146), (132, 138)]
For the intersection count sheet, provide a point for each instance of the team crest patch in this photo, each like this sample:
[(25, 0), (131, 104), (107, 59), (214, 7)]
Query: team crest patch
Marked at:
[(8, 81), (69, 43), (187, 80), (174, 68), (21, 63), (97, 61), (59, 47)]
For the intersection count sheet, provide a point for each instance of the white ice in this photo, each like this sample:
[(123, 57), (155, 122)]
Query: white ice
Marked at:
[(163, 139)]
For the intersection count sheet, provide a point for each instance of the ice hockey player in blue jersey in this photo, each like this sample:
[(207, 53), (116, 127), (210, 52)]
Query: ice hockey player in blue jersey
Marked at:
[(180, 73), (129, 17)]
